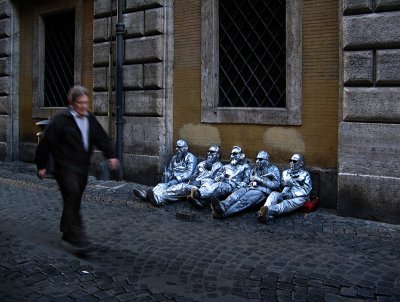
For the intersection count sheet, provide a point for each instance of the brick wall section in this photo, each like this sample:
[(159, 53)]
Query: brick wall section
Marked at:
[(320, 87), (318, 134), (28, 130), (369, 152)]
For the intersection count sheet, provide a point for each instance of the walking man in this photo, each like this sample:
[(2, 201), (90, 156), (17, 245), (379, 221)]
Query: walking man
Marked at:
[(69, 138)]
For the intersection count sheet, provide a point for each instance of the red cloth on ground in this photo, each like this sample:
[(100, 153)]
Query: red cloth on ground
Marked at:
[(310, 205)]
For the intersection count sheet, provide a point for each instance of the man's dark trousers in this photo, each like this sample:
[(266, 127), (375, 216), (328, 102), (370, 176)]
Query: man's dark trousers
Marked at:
[(72, 185)]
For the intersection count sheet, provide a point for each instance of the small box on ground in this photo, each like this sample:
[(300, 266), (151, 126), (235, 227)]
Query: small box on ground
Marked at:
[(183, 215)]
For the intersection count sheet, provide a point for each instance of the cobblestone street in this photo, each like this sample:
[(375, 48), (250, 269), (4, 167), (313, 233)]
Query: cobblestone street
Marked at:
[(145, 254)]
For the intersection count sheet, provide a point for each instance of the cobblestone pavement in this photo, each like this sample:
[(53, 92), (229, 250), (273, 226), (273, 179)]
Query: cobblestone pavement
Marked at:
[(146, 254)]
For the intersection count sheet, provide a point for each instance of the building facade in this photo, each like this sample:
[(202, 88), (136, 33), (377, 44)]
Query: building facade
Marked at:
[(312, 77)]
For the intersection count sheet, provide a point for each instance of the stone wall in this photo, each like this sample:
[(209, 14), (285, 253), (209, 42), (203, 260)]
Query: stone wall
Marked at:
[(8, 106), (369, 145), (147, 82)]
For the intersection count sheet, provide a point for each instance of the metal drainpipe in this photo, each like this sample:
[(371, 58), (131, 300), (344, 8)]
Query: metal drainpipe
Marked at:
[(110, 74), (120, 30)]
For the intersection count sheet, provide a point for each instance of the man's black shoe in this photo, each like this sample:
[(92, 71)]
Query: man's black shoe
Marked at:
[(140, 194), (216, 207), (151, 198), (80, 248), (195, 202)]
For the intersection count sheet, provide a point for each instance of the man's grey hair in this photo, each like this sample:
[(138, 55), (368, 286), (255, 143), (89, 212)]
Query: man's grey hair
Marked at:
[(77, 91)]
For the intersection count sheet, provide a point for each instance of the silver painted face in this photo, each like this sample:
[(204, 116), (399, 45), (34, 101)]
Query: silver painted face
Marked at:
[(296, 162), (181, 148), (262, 159), (236, 155), (213, 154)]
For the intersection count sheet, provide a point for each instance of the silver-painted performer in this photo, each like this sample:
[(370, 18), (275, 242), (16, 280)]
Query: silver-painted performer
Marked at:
[(230, 177), (181, 167), (264, 179), (297, 186)]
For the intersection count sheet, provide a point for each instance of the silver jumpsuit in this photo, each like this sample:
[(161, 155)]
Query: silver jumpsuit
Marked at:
[(230, 177), (297, 188), (180, 169), (268, 179), (202, 175)]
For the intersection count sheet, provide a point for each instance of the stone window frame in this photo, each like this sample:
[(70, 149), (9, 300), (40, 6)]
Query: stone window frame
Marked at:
[(38, 109), (211, 113)]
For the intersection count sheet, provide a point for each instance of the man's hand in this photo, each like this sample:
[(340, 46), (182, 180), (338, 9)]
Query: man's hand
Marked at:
[(41, 173), (257, 179), (172, 182), (113, 164), (287, 195)]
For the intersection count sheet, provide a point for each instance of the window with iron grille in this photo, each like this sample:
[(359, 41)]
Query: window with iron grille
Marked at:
[(252, 57), (57, 53), (59, 58), (251, 62)]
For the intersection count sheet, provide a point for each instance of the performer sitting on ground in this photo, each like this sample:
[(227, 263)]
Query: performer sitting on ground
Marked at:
[(230, 177), (205, 172), (180, 169), (264, 179), (297, 188)]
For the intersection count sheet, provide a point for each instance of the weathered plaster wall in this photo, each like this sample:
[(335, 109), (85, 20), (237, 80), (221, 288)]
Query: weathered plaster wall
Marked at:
[(316, 137)]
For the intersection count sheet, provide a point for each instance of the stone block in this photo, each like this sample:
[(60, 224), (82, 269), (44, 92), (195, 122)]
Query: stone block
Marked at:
[(101, 53), (145, 103), (371, 104), (153, 75), (369, 149), (103, 7), (27, 151), (324, 182), (3, 151), (100, 78), (142, 4), (143, 169), (385, 5), (5, 47), (143, 135), (102, 28), (5, 28), (146, 49), (103, 120), (154, 21), (369, 197), (365, 31), (133, 76), (5, 85), (5, 105), (388, 67), (100, 102), (5, 9), (134, 23), (5, 123), (4, 66), (357, 6), (358, 67)]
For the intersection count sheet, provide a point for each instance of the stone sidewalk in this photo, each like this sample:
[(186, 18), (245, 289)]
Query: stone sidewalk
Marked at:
[(145, 254)]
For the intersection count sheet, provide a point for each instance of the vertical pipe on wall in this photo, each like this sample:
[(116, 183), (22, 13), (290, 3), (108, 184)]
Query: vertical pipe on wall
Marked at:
[(120, 30), (110, 73)]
